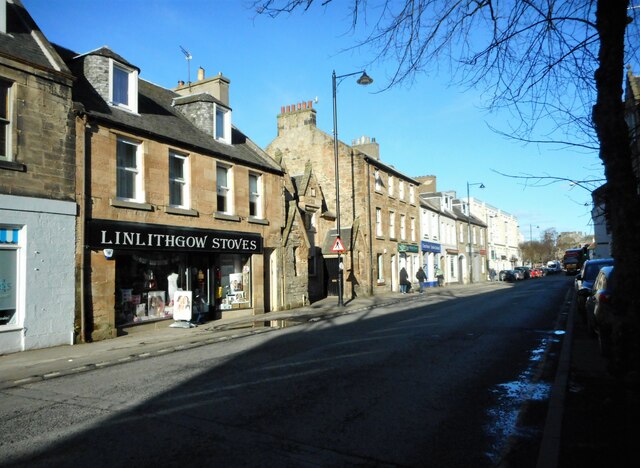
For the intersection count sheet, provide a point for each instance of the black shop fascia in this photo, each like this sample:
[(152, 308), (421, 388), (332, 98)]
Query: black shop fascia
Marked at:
[(156, 264)]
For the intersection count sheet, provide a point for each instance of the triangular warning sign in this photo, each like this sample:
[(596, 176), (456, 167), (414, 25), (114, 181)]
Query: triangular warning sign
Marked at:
[(338, 247)]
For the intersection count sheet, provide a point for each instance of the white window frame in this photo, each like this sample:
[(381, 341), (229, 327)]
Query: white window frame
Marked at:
[(138, 171), (225, 191), (380, 261), (379, 222), (390, 185), (183, 182), (392, 224), (132, 86), (6, 153), (255, 197), (377, 181), (412, 194), (461, 232), (19, 279), (413, 229), (403, 227), (401, 190), (222, 134)]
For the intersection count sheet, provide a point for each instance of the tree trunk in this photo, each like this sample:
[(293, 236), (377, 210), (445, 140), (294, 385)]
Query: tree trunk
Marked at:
[(621, 199)]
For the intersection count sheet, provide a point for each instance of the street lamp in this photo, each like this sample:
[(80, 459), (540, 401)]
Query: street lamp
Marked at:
[(531, 232), (363, 80), (469, 228)]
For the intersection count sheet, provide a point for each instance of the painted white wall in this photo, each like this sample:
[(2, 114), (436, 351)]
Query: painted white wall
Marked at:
[(46, 305)]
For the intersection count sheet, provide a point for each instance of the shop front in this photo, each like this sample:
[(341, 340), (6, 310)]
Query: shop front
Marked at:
[(409, 258), (159, 271), (430, 260)]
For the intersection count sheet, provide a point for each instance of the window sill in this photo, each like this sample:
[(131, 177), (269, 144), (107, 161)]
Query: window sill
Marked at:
[(130, 205), (13, 166), (380, 237), (254, 220), (380, 282), (226, 217), (181, 211)]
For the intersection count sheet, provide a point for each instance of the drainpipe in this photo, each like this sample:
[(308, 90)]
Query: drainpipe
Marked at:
[(370, 230), (83, 205)]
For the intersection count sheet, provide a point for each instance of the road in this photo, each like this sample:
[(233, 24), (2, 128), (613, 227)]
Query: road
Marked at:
[(440, 381)]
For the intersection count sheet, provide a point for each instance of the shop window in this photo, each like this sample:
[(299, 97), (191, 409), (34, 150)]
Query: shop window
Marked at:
[(129, 170), (5, 120), (178, 180), (124, 87), (235, 281), (224, 189), (255, 195), (9, 259)]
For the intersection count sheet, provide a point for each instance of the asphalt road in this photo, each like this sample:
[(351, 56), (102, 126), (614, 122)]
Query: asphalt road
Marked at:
[(451, 382)]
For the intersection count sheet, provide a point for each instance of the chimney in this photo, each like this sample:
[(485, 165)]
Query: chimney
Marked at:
[(427, 184), (296, 115), (368, 146), (218, 87)]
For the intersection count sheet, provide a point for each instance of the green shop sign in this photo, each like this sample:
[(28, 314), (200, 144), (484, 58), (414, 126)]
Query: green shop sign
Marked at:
[(408, 248)]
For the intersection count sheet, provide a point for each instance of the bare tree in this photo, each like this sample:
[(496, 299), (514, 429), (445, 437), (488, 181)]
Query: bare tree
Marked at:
[(554, 59)]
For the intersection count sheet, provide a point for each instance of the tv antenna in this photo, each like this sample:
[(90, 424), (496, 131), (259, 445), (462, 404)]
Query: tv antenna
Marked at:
[(188, 56)]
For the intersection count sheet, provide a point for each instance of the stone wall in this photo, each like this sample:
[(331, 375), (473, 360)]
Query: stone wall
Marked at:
[(42, 136)]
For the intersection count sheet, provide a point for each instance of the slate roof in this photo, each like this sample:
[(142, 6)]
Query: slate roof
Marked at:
[(21, 44), (157, 118)]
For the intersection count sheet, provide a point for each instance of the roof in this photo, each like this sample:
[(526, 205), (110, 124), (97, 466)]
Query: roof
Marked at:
[(25, 42), (157, 118)]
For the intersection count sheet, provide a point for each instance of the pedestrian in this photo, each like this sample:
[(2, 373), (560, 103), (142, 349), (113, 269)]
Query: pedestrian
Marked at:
[(422, 279), (404, 281), (440, 276), (492, 274)]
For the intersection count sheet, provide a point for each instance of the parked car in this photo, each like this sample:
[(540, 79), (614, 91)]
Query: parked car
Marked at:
[(584, 281), (508, 275), (536, 273), (526, 271), (599, 309), (519, 274)]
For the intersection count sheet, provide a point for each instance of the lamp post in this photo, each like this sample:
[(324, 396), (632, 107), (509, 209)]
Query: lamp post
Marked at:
[(469, 228), (531, 243), (363, 80)]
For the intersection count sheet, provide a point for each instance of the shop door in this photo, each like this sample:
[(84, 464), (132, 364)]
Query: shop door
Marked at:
[(332, 276)]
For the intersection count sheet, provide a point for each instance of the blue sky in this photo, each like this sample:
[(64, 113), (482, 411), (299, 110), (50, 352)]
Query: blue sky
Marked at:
[(429, 127)]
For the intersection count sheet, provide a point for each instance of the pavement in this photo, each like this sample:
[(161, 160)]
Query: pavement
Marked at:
[(592, 417)]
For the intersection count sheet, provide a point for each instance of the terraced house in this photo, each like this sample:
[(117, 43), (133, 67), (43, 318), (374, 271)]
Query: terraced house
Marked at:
[(179, 210), (37, 188), (379, 207)]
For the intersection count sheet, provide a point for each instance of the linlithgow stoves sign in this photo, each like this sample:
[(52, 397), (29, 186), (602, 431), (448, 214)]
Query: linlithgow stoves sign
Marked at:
[(102, 234)]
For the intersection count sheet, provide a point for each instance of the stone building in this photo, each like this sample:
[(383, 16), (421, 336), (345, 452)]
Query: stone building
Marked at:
[(472, 245), (37, 188), (379, 208), (181, 215)]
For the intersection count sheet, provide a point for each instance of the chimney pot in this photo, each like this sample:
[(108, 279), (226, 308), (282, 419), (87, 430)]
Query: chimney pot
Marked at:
[(310, 104), (304, 105), (282, 110), (288, 109), (200, 74)]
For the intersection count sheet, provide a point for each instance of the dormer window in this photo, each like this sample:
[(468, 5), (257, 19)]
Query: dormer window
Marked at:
[(222, 125), (123, 85)]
